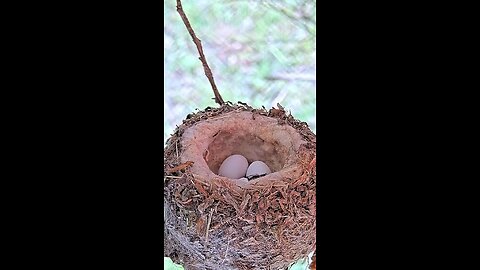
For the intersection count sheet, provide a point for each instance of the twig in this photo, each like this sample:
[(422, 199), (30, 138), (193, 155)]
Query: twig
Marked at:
[(293, 16), (198, 43), (180, 167), (174, 177), (226, 250), (176, 148), (208, 224)]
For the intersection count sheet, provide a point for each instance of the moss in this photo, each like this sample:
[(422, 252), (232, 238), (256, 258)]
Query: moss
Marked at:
[(213, 222)]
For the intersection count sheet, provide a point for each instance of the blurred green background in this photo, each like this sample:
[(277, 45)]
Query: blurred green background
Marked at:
[(260, 52)]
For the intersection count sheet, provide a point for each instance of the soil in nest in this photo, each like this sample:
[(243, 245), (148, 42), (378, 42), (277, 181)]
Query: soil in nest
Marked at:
[(213, 222)]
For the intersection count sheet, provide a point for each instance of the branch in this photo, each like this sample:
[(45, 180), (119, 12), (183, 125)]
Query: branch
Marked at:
[(198, 43)]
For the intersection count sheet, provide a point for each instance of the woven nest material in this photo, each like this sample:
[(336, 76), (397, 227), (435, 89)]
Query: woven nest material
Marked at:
[(213, 222)]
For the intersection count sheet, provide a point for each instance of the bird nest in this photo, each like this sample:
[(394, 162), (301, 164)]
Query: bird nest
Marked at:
[(214, 222)]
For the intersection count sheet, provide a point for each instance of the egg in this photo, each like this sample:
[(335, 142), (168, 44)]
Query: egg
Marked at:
[(243, 180), (257, 168), (235, 167)]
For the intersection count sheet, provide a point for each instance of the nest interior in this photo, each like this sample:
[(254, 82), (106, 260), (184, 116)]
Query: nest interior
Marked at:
[(247, 144), (213, 222), (208, 143)]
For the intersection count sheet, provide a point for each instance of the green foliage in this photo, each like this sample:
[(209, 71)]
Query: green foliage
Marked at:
[(300, 265), (250, 46), (168, 264)]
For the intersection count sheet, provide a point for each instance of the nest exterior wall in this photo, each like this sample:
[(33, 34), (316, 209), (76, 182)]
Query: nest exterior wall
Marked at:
[(213, 223)]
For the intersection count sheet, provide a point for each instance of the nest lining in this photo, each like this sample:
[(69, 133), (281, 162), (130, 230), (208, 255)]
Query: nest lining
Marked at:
[(213, 222), (210, 142)]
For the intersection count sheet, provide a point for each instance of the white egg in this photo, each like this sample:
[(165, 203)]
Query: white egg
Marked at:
[(234, 167), (243, 180), (257, 168)]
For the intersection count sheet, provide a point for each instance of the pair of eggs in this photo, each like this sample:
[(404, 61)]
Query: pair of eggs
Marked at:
[(236, 167)]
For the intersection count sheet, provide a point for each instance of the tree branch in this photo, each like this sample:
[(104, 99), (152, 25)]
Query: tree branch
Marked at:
[(198, 43)]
